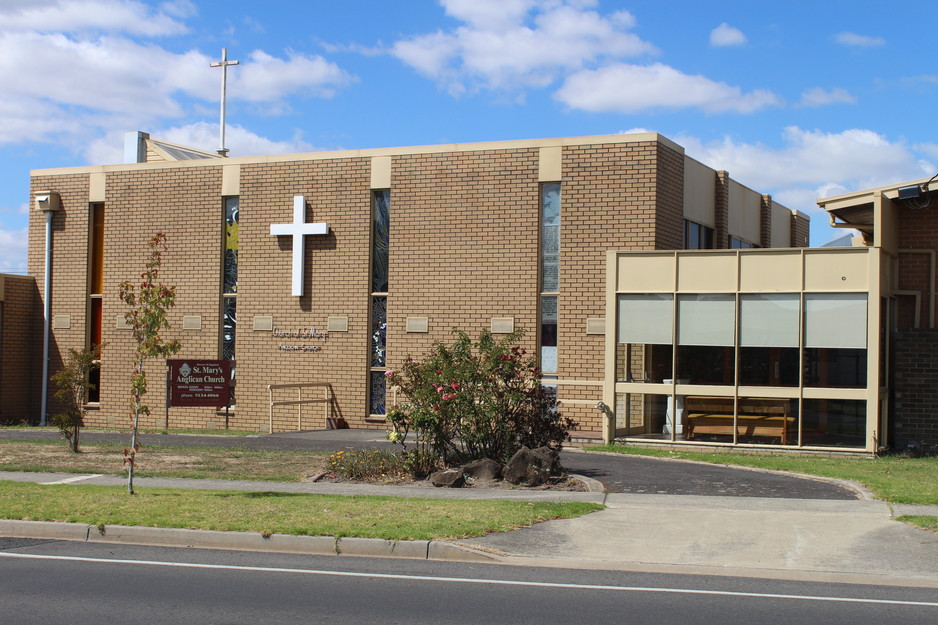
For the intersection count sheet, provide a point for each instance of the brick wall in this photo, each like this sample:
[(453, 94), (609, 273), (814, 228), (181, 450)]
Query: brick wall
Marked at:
[(616, 196), (765, 221), (800, 230), (337, 284), (918, 230), (915, 389), (463, 249), (19, 367)]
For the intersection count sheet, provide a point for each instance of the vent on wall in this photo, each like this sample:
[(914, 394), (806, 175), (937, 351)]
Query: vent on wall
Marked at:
[(503, 325), (263, 323), (596, 326), (338, 323), (120, 323), (418, 324), (61, 322), (192, 322)]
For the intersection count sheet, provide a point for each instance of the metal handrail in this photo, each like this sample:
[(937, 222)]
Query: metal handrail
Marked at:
[(299, 401)]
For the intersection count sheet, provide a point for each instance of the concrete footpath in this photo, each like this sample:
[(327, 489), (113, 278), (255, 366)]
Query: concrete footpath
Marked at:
[(833, 540)]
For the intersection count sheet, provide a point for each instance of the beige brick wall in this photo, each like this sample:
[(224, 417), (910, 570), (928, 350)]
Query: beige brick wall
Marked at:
[(19, 368), (464, 235), (337, 284), (464, 249), (614, 196)]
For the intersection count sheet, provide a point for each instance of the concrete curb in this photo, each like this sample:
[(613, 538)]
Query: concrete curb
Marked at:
[(246, 541)]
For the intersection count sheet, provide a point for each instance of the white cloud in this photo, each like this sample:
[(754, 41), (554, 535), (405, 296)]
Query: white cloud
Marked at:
[(126, 16), (862, 41), (726, 35), (818, 96), (109, 150), (265, 78), (815, 164), (510, 44), (13, 250), (626, 88), (89, 84)]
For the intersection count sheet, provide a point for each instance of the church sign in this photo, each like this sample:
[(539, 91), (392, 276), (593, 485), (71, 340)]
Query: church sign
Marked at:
[(199, 382)]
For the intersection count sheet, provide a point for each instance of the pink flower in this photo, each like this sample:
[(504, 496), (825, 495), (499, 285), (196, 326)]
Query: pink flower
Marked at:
[(439, 389), (388, 373), (455, 385), (449, 396)]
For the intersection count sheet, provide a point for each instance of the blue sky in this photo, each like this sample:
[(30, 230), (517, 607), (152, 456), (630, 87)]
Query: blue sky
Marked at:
[(799, 99)]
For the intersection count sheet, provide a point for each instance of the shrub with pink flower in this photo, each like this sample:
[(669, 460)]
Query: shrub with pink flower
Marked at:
[(481, 399)]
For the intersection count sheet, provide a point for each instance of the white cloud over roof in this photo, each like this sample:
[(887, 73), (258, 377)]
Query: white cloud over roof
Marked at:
[(626, 88), (726, 35), (863, 41)]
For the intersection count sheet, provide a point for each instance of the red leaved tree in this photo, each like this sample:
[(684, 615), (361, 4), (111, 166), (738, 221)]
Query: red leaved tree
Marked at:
[(149, 302)]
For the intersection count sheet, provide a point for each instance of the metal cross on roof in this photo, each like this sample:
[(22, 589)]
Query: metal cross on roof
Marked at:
[(223, 64)]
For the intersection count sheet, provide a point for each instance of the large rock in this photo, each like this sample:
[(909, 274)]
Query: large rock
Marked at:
[(484, 470), (532, 467), (448, 479)]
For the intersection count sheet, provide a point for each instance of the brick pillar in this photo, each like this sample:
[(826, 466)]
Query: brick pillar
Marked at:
[(800, 229), (721, 210), (765, 217)]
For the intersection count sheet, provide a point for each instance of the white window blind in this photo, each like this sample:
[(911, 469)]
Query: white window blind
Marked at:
[(834, 320), (706, 319), (646, 319), (769, 320)]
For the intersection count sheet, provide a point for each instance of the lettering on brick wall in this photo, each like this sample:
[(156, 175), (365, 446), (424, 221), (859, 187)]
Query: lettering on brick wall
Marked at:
[(300, 334)]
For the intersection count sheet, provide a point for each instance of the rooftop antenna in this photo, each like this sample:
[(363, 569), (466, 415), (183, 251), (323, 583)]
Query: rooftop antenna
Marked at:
[(223, 64)]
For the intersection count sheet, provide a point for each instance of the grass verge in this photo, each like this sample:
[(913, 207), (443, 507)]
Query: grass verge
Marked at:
[(155, 461), (890, 478), (925, 522), (281, 513)]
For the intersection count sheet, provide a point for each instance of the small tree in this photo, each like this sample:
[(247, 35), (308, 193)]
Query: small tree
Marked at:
[(472, 400), (73, 386), (149, 302)]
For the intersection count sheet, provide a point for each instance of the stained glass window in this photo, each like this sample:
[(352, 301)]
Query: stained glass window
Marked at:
[(550, 238), (379, 331), (229, 323), (377, 404), (380, 241), (231, 244)]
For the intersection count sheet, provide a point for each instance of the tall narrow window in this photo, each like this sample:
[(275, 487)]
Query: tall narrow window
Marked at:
[(229, 303), (95, 295), (378, 363), (550, 275)]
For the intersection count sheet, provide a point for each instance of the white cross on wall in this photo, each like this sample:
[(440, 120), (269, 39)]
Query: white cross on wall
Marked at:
[(298, 230)]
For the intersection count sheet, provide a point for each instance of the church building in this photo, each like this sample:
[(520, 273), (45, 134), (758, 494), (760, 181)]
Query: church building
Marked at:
[(667, 302)]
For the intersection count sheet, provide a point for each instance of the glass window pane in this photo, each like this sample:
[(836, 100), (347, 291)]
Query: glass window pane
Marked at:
[(379, 331), (97, 249), (706, 319), (550, 237), (381, 241), (834, 423), (835, 320), (549, 334), (768, 320), (229, 323), (646, 318), (231, 244), (377, 393)]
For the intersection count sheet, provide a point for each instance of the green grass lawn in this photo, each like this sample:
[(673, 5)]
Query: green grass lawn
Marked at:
[(391, 518), (890, 478)]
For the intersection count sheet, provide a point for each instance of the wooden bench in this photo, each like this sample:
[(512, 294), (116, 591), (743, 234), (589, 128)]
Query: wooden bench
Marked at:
[(757, 417)]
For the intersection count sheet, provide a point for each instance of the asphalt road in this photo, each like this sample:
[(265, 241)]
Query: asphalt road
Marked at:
[(618, 473), (61, 582)]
